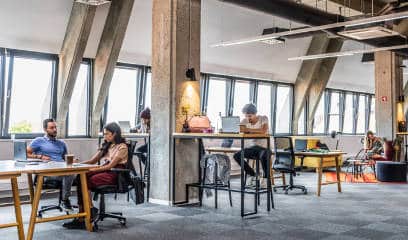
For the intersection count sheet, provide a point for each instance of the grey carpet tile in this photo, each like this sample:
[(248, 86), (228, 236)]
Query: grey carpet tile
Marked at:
[(368, 234)]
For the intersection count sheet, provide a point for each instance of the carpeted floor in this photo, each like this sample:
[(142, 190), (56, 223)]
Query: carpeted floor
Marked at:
[(362, 211)]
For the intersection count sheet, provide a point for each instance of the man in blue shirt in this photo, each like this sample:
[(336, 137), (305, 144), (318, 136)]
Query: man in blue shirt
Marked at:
[(49, 148)]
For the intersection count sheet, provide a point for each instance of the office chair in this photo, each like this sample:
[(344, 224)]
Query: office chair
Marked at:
[(50, 184), (285, 162), (122, 186)]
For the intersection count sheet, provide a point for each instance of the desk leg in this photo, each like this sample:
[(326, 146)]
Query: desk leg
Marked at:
[(34, 207), (338, 174), (242, 179), (319, 178), (30, 187), (86, 203), (17, 208)]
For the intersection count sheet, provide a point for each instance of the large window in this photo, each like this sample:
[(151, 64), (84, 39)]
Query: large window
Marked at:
[(78, 107), (148, 91), (372, 116), (241, 96), (283, 109), (217, 103), (122, 96), (361, 115), (31, 84), (264, 102), (302, 122), (319, 117), (348, 114), (334, 112)]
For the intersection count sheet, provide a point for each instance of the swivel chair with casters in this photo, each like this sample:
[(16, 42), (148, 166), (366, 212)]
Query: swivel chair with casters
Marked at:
[(51, 184), (122, 186), (285, 163)]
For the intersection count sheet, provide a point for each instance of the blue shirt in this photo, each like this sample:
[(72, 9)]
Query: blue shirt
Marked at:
[(53, 148)]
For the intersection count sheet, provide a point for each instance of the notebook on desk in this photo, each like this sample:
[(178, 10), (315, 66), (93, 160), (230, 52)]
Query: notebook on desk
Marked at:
[(20, 153), (230, 124)]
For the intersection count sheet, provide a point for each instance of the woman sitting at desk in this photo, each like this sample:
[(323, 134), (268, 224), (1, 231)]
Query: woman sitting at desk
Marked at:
[(112, 154), (373, 146), (144, 127), (256, 149)]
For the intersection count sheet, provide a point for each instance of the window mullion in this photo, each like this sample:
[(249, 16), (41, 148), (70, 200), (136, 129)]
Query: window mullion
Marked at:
[(8, 94), (273, 105)]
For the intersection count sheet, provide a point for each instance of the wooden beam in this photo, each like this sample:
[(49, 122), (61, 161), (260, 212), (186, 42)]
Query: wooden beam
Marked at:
[(107, 55), (70, 57)]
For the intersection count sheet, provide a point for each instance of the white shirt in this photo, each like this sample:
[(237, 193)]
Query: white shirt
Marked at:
[(258, 125)]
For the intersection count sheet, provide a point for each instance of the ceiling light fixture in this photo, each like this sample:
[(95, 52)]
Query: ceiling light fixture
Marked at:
[(346, 53), (358, 22), (93, 2)]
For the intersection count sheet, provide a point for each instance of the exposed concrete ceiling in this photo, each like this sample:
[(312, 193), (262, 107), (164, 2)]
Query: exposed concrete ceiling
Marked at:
[(41, 27)]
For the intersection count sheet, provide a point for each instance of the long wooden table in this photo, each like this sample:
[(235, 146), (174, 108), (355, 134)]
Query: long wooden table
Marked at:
[(200, 184), (322, 163), (11, 169)]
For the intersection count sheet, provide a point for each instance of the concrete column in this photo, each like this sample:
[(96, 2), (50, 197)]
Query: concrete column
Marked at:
[(72, 51), (388, 87), (322, 77), (107, 55), (305, 76), (176, 47)]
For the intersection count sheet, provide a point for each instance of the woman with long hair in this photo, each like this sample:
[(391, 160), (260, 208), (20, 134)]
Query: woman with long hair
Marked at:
[(112, 154)]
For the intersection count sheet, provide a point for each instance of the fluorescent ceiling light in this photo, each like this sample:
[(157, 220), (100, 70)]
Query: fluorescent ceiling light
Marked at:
[(346, 53), (273, 41), (382, 18), (93, 2)]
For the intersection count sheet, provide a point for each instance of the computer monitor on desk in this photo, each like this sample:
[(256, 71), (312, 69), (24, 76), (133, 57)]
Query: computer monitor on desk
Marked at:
[(125, 126), (230, 124), (300, 145)]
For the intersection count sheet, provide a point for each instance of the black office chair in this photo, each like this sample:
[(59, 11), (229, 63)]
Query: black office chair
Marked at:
[(51, 184), (285, 162), (122, 186)]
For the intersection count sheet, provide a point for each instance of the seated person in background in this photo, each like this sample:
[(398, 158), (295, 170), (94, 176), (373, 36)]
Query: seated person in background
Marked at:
[(256, 148), (49, 148), (374, 146), (112, 154), (144, 127)]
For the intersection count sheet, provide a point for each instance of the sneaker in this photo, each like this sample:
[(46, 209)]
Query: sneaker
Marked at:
[(66, 206), (74, 224), (251, 181)]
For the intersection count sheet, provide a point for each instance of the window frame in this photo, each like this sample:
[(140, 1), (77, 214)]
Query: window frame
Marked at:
[(12, 53), (89, 83)]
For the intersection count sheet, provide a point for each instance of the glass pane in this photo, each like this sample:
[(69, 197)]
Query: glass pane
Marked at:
[(122, 96), (30, 95), (301, 122), (334, 119), (216, 99), (264, 100), (148, 93), (361, 116), (318, 121), (348, 114), (78, 105), (283, 109), (241, 97), (372, 115)]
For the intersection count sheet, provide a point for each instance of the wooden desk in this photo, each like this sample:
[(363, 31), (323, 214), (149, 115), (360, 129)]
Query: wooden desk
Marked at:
[(43, 170), (242, 137), (321, 164), (12, 175)]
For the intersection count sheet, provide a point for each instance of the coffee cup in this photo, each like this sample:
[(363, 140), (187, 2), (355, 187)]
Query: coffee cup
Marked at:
[(69, 159), (242, 128)]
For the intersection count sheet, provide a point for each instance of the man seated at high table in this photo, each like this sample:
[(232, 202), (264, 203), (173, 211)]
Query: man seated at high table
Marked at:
[(49, 148), (256, 149)]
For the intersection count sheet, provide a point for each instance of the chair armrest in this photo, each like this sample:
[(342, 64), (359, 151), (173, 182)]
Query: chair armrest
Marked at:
[(119, 170)]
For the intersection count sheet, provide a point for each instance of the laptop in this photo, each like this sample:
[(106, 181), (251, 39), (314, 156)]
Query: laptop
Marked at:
[(20, 153), (230, 124), (125, 126), (300, 145)]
